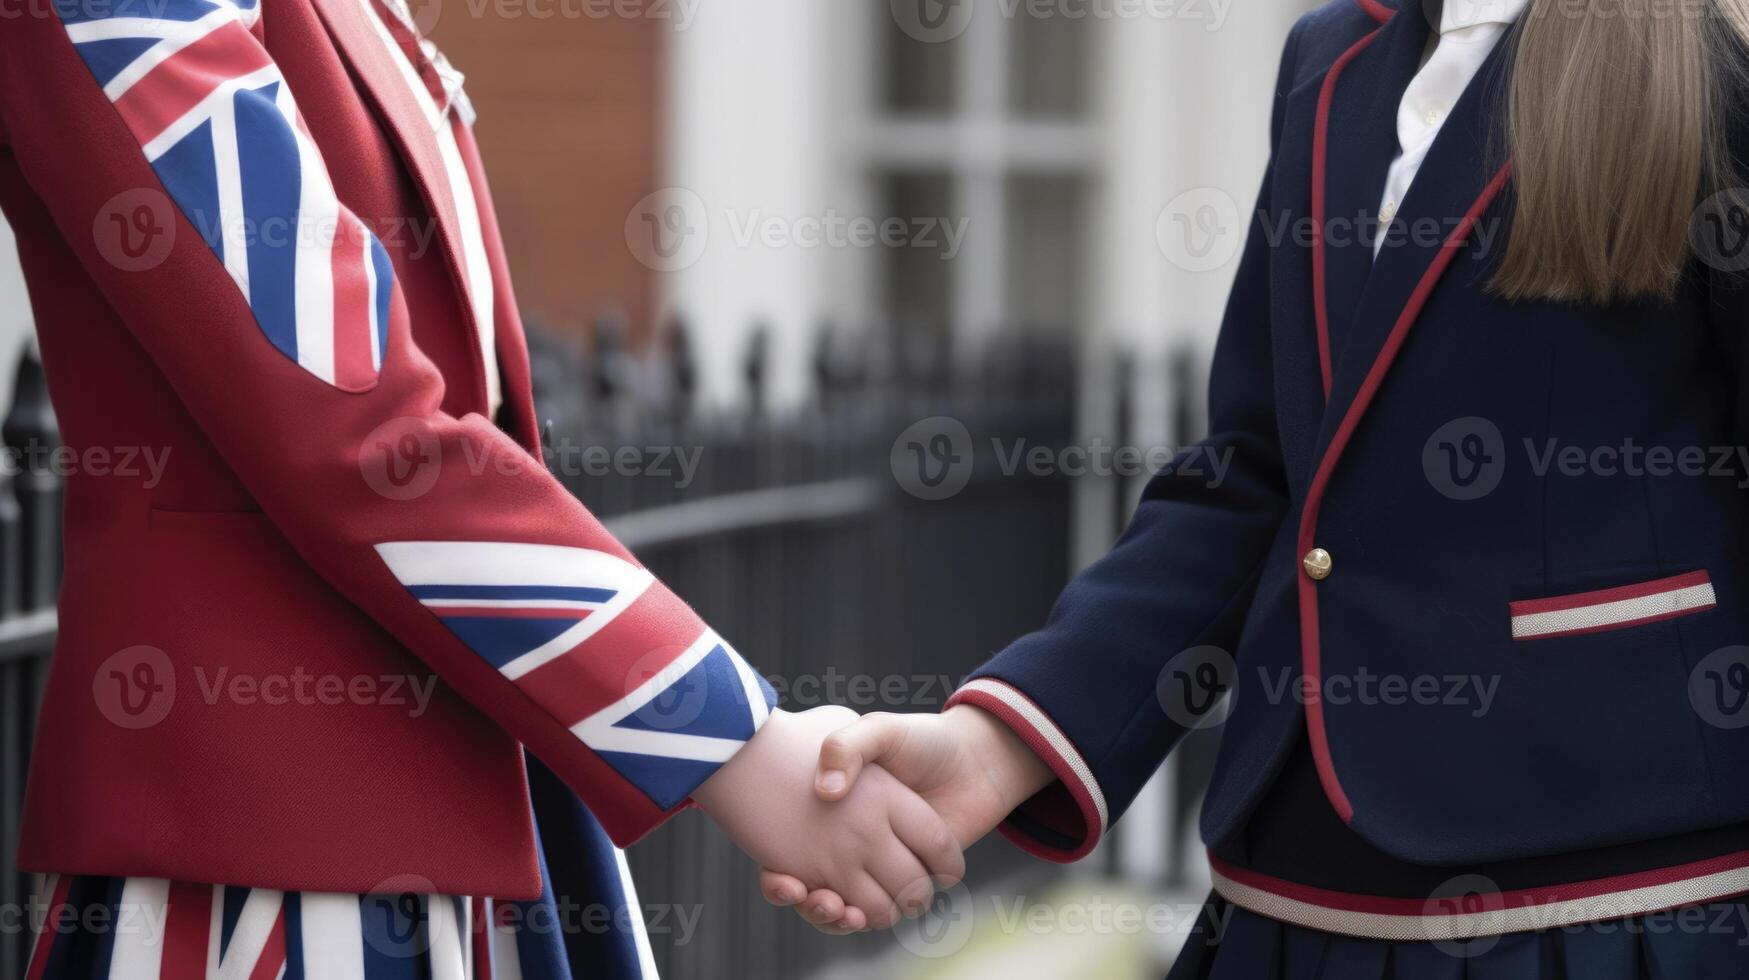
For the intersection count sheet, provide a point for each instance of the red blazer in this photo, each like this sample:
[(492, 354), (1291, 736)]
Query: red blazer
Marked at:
[(242, 230)]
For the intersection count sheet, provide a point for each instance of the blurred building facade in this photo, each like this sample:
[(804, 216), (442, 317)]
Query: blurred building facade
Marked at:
[(956, 167)]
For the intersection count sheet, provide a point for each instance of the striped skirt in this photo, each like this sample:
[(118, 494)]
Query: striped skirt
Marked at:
[(95, 928), (1697, 942)]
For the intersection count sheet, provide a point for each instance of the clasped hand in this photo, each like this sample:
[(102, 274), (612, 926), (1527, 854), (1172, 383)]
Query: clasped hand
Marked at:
[(857, 821)]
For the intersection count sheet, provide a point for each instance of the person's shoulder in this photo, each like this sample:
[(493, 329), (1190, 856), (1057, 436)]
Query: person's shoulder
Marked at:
[(1323, 33)]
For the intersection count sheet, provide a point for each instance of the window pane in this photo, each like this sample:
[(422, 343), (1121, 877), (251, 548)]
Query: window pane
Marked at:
[(921, 75), (1045, 251), (919, 283), (1047, 68)]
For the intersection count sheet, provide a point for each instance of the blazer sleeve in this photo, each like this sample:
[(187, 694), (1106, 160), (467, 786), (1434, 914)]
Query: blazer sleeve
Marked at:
[(1082, 691), (291, 346)]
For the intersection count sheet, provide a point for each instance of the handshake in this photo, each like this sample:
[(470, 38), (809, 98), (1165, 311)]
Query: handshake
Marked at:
[(857, 820)]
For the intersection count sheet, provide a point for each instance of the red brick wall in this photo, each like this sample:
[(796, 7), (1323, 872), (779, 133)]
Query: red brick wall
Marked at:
[(569, 110)]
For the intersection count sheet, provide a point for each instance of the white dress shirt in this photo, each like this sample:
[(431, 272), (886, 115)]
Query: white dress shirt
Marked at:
[(1468, 32)]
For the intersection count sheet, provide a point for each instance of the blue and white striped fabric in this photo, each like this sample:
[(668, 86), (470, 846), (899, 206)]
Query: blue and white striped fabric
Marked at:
[(588, 923), (669, 715)]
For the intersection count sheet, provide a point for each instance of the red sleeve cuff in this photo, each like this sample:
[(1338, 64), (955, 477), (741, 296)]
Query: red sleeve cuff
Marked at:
[(1066, 819)]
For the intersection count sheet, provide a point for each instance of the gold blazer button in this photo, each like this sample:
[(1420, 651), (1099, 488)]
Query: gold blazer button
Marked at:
[(1317, 564)]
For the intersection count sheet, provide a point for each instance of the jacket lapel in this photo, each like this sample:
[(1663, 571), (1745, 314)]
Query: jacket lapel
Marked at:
[(410, 118), (1358, 119), (1461, 164)]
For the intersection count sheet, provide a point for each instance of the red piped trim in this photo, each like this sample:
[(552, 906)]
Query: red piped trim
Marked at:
[(1613, 609), (1561, 603), (1320, 170), (1376, 10), (1310, 655), (1517, 898), (1042, 735)]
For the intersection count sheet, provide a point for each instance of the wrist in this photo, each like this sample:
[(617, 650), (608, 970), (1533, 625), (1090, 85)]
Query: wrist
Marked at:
[(1015, 771), (712, 794)]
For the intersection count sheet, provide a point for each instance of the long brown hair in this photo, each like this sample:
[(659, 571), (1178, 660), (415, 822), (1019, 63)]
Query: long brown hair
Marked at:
[(1616, 123)]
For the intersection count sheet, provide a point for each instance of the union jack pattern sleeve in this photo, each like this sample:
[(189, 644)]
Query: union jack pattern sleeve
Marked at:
[(219, 125), (293, 350)]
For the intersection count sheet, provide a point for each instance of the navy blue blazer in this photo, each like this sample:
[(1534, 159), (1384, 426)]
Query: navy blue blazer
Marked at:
[(1490, 512)]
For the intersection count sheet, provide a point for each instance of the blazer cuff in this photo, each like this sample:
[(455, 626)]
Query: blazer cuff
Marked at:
[(1066, 819)]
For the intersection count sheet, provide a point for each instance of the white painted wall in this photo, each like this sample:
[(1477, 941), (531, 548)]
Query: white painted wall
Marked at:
[(752, 93)]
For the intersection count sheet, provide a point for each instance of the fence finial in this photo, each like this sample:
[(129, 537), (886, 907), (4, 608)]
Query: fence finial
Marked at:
[(756, 368), (32, 434)]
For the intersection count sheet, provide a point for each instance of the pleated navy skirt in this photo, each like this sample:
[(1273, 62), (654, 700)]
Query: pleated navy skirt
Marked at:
[(1700, 942)]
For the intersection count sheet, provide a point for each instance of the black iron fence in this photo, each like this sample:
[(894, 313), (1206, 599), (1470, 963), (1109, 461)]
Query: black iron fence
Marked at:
[(30, 577), (856, 549)]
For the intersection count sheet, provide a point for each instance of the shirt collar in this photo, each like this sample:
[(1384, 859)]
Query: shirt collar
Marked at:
[(1458, 14)]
